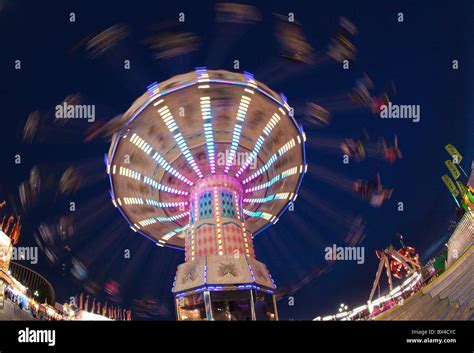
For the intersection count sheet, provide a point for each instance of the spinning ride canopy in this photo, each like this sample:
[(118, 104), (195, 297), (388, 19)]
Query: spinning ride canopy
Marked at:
[(194, 126)]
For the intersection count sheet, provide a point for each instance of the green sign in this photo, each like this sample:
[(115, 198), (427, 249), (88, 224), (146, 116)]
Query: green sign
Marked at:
[(454, 153), (450, 185)]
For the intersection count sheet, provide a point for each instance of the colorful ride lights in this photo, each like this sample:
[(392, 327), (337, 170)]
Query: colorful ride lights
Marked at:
[(246, 98), (240, 119)]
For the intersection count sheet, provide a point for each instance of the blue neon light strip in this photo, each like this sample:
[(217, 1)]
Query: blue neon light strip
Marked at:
[(154, 184), (263, 215), (279, 196), (132, 174), (149, 221), (206, 112), (259, 143), (276, 178), (146, 147), (172, 126), (139, 201), (171, 234), (219, 288), (285, 148), (240, 119), (164, 204)]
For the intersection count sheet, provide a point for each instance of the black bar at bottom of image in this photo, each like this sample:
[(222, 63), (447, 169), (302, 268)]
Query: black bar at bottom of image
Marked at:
[(283, 336)]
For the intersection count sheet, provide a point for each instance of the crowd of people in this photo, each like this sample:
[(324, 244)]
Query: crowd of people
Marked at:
[(30, 307)]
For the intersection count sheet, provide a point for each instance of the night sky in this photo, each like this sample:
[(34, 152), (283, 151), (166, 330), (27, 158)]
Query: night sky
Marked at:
[(416, 54)]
